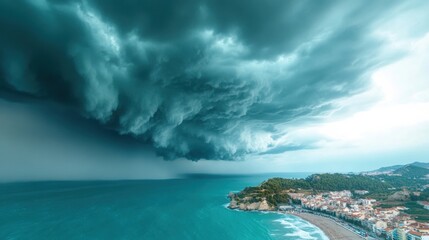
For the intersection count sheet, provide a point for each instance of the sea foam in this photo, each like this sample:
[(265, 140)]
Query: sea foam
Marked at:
[(300, 229)]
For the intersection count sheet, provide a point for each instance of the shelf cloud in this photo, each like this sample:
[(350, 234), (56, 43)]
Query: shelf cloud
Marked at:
[(196, 79)]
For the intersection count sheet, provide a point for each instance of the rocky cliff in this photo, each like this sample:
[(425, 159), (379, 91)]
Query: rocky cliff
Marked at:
[(249, 204)]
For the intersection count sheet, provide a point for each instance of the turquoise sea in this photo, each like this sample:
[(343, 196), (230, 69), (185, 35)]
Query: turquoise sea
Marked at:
[(188, 208)]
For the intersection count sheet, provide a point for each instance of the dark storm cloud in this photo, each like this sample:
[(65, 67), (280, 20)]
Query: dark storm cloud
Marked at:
[(285, 148), (196, 79)]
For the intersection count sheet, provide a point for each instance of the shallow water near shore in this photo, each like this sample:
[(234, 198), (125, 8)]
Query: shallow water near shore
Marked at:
[(190, 208)]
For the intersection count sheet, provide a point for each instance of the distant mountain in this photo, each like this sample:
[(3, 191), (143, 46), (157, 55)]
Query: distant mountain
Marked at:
[(420, 164), (412, 171), (395, 169), (388, 169)]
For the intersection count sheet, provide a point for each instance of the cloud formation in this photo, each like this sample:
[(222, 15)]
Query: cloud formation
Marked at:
[(199, 79)]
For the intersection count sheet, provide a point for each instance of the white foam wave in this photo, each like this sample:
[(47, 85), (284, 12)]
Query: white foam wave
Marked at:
[(301, 229)]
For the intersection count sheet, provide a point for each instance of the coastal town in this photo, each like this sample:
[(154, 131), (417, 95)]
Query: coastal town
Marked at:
[(388, 203), (383, 223)]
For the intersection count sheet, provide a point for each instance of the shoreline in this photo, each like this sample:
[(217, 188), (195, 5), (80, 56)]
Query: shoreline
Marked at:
[(330, 228)]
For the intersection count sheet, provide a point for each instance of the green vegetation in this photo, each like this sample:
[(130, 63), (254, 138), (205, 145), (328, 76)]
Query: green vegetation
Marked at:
[(409, 176), (424, 196), (411, 171), (414, 209), (380, 196), (279, 184), (275, 190), (326, 182), (399, 181), (338, 182), (417, 211), (390, 204)]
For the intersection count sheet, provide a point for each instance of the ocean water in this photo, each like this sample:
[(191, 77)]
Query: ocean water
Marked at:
[(190, 208)]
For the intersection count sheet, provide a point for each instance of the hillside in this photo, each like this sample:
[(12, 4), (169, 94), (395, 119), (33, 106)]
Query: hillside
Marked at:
[(421, 164), (412, 171), (388, 169), (391, 169), (275, 191)]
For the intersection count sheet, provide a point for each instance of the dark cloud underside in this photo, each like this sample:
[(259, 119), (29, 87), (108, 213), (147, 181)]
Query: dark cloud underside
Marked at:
[(197, 79)]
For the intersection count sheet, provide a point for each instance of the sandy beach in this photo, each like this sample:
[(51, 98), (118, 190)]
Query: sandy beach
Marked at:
[(329, 227)]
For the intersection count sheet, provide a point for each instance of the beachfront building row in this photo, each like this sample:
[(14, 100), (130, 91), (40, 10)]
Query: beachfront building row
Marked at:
[(406, 234), (389, 222)]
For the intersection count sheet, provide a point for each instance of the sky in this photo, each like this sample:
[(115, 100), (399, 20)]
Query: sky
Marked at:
[(156, 89)]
